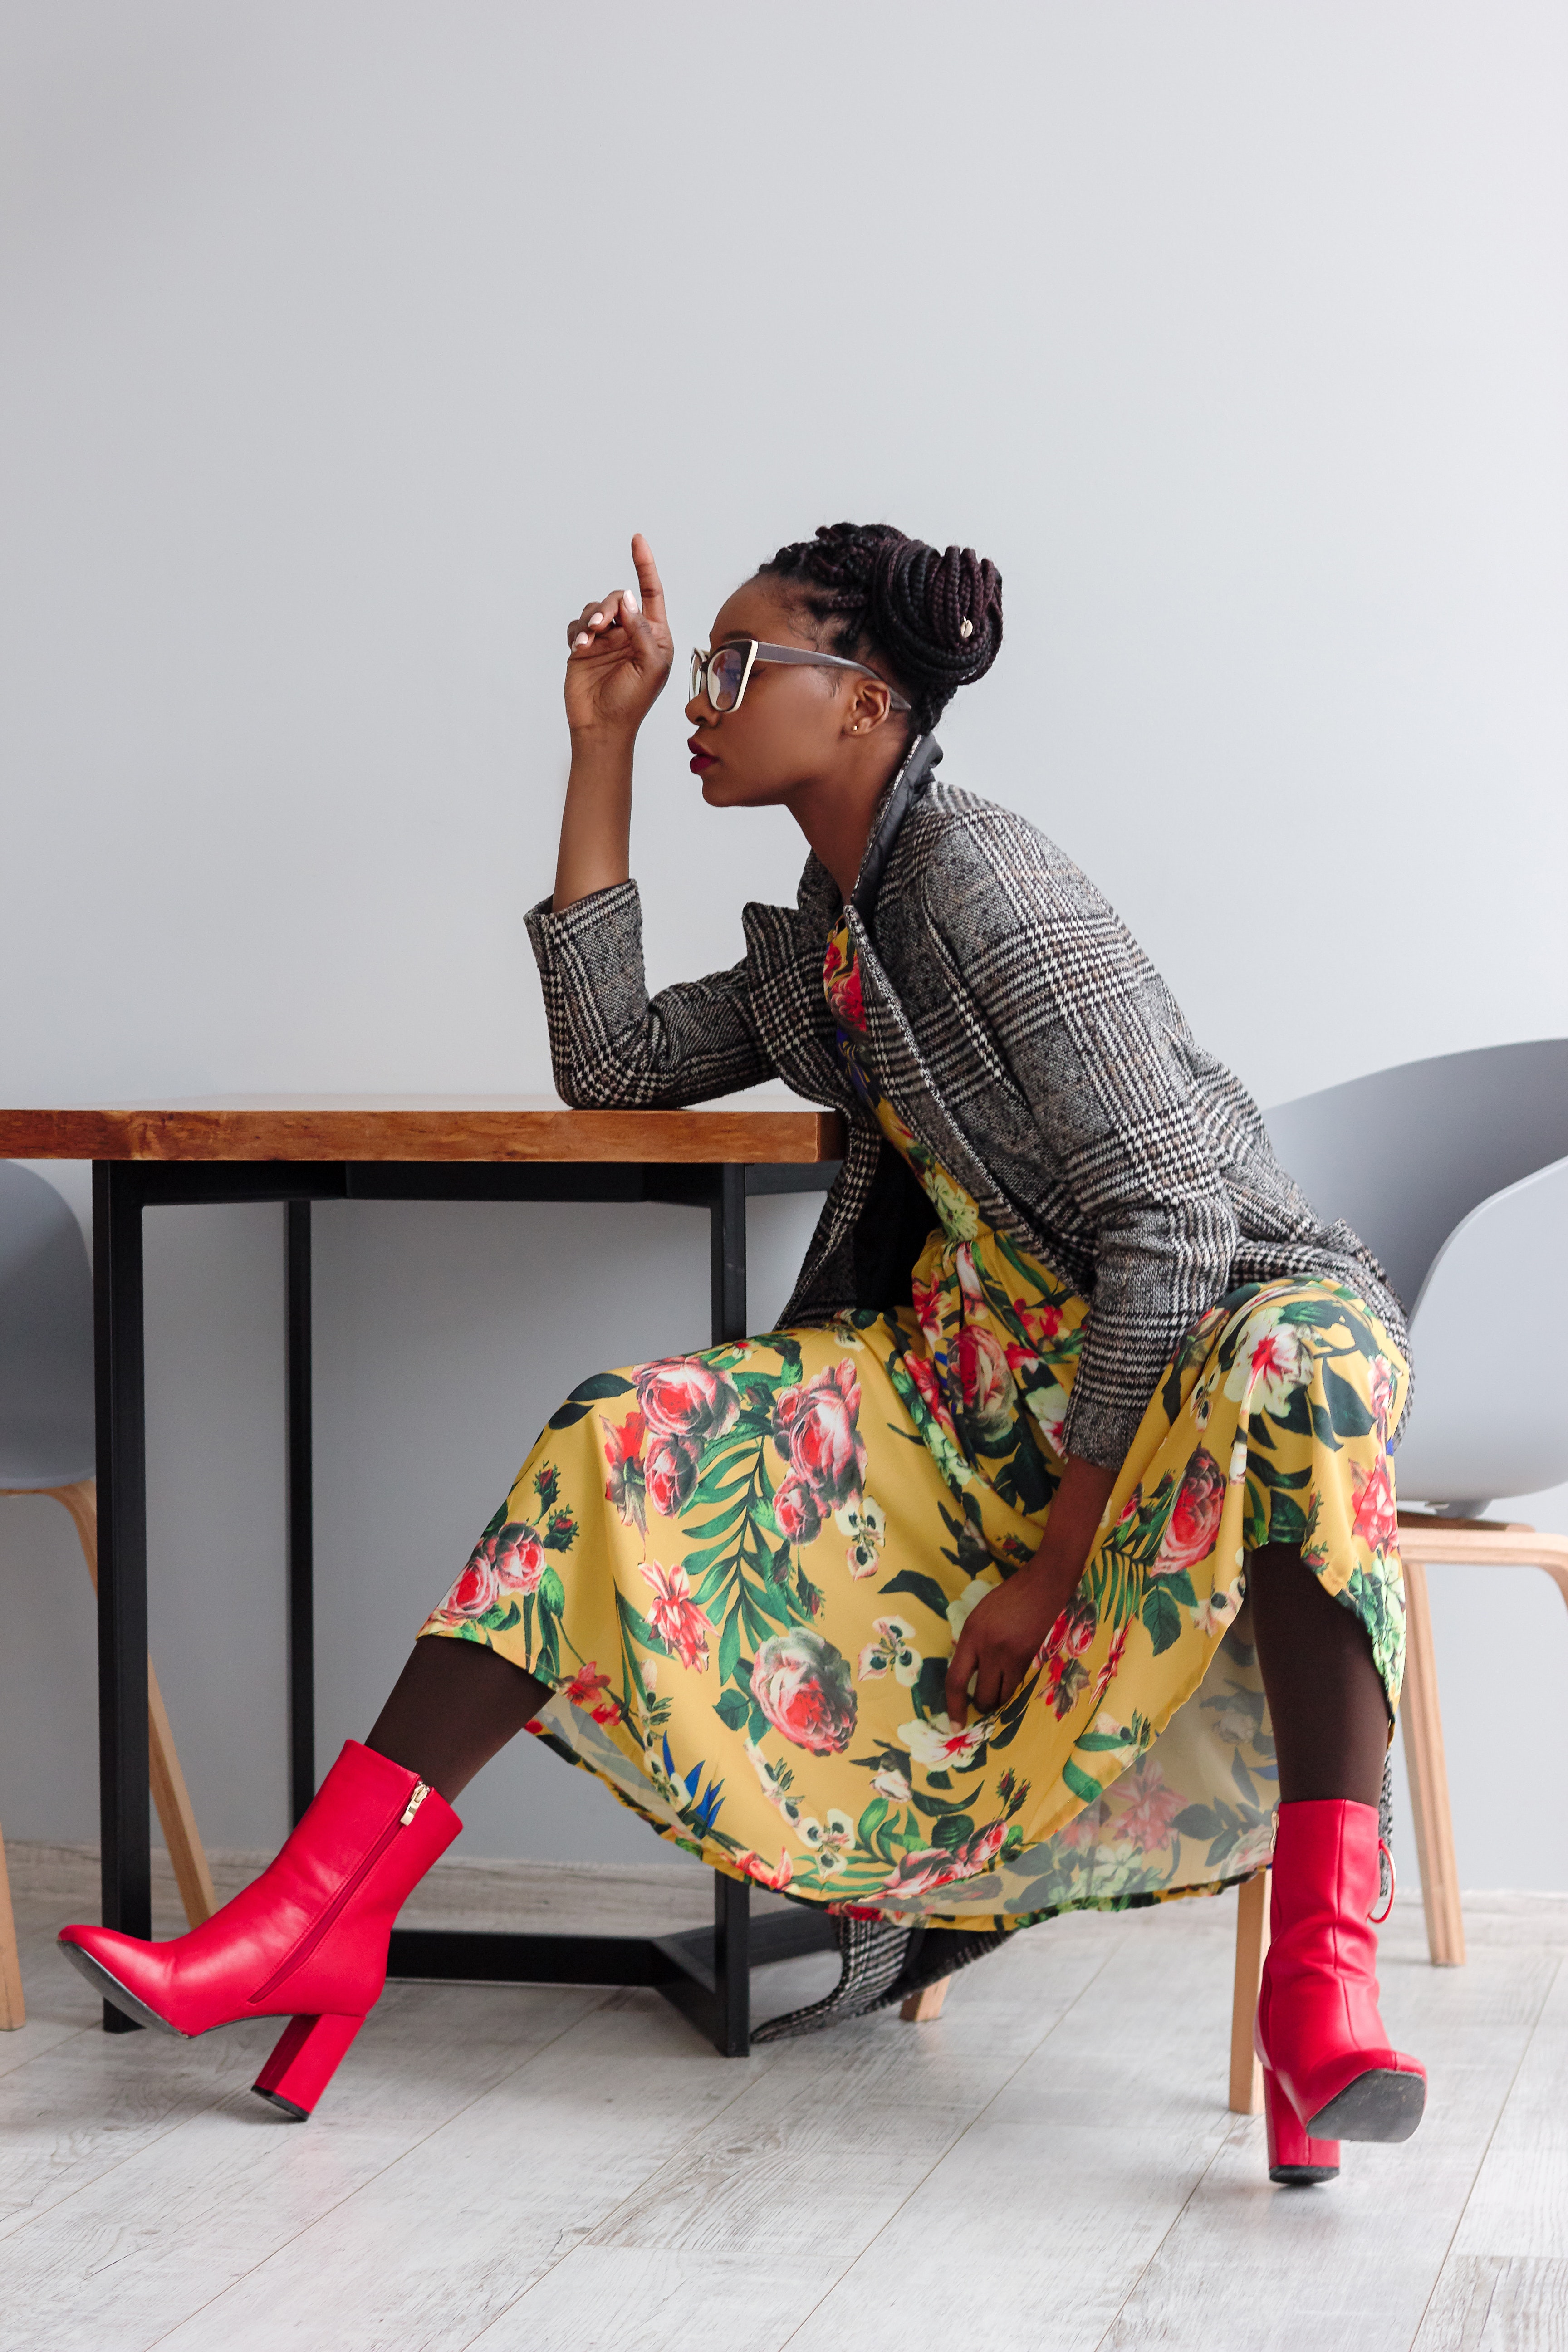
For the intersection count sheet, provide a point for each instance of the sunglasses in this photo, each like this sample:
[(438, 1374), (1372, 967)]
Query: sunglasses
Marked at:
[(727, 673)]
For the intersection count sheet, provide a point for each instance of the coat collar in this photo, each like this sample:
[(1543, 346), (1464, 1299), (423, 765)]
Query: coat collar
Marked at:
[(909, 777)]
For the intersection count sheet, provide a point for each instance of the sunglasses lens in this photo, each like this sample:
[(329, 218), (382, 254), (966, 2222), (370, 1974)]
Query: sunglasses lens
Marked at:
[(725, 672)]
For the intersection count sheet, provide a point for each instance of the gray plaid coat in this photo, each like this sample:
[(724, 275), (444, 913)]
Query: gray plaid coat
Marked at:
[(1025, 1038)]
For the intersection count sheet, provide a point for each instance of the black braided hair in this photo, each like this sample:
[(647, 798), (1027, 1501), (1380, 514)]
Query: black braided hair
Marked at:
[(887, 600)]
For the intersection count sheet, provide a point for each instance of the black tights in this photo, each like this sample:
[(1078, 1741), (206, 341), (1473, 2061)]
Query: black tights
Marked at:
[(457, 1704)]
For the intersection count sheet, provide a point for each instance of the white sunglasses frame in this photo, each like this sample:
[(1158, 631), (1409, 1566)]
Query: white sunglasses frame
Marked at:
[(759, 649)]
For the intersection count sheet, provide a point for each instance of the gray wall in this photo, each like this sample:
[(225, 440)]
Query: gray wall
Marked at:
[(349, 343)]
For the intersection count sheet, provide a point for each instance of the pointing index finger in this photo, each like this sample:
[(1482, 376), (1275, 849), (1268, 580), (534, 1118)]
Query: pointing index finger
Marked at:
[(648, 580)]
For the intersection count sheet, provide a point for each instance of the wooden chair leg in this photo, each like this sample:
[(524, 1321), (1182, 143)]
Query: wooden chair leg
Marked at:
[(1251, 1948), (170, 1794), (922, 2006), (12, 2009), (1428, 1775)]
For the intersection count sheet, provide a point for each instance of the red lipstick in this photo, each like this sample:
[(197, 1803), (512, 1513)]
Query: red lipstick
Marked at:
[(701, 760)]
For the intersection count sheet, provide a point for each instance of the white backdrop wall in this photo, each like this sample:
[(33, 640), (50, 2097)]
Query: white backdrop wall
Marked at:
[(345, 346)]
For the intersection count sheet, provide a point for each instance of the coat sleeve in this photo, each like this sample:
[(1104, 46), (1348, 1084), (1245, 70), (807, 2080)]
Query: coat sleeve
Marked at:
[(1094, 1043), (613, 1046)]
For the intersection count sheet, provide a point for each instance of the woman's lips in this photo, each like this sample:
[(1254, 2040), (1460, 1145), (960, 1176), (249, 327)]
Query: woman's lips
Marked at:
[(701, 760)]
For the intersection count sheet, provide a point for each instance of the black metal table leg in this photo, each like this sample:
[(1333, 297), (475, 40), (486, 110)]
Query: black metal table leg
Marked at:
[(124, 1791), (731, 1897), (727, 1213), (301, 1511)]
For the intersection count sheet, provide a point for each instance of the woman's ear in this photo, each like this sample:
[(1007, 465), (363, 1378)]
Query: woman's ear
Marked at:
[(868, 707)]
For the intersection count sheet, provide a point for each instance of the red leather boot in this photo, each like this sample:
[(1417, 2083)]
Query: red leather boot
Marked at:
[(1329, 2073), (307, 1940)]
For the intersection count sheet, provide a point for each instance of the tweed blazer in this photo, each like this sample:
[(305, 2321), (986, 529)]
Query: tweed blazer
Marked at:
[(1027, 1041)]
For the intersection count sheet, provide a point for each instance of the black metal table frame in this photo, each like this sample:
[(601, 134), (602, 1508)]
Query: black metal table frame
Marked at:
[(705, 1973)]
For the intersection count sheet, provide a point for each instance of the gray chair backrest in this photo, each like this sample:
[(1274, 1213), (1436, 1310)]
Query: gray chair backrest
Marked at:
[(1490, 1416), (1405, 1154), (46, 1337)]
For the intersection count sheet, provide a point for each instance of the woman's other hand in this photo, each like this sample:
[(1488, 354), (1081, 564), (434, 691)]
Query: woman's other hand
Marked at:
[(1003, 1637), (619, 656)]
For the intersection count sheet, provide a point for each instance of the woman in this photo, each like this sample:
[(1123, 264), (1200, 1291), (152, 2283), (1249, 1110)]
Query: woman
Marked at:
[(1054, 1521)]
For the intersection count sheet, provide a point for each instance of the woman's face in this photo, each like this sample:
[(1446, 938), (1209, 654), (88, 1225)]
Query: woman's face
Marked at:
[(795, 726)]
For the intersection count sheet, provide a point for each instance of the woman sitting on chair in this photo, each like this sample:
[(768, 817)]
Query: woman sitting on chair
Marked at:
[(1053, 1524)]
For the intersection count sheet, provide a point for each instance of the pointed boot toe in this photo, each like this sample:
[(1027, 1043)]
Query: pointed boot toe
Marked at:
[(307, 1940)]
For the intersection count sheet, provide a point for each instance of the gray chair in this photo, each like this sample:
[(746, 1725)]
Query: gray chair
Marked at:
[(47, 1448), (1455, 1172)]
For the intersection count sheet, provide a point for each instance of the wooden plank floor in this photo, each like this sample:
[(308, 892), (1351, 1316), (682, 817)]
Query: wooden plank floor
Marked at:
[(1050, 2166)]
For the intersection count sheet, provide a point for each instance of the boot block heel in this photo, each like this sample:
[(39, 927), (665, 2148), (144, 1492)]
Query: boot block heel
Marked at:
[(1294, 2160), (307, 2056)]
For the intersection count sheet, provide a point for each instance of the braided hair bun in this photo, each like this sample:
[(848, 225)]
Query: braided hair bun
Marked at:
[(933, 621)]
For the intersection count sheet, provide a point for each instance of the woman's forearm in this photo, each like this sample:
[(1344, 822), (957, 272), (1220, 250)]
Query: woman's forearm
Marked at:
[(1075, 1511), (596, 822)]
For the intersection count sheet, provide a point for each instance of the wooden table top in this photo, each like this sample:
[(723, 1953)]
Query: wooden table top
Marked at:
[(756, 1132)]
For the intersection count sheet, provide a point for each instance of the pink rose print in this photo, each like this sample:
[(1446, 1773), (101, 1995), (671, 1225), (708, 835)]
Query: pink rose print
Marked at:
[(1194, 1517), (981, 1850), (625, 1486), (1377, 1514), (917, 1874), (671, 1473), (798, 1511), (815, 1425), (683, 1398), (475, 1588), (519, 1558), (1072, 1632), (802, 1685), (676, 1617)]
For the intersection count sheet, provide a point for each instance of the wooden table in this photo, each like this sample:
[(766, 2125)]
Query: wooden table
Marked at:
[(300, 1151)]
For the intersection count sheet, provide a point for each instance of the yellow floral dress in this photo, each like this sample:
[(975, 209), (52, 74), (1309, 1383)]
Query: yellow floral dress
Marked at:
[(742, 1573)]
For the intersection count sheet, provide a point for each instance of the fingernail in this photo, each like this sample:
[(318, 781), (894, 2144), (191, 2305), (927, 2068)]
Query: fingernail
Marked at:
[(595, 619), (580, 641)]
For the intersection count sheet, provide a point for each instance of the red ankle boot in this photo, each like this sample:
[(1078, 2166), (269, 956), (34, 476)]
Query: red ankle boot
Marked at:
[(306, 1940), (1328, 2071)]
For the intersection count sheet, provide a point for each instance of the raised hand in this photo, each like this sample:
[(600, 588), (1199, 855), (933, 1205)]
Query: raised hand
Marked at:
[(618, 656)]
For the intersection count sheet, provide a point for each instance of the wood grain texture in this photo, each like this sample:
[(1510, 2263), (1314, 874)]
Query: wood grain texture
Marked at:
[(1493, 2303), (1350, 2265), (1048, 2168), (1426, 1769), (502, 1129), (176, 1816), (924, 2008), (13, 2007), (1251, 1950), (1518, 2205)]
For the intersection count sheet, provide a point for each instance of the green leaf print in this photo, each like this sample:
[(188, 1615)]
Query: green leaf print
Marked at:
[(590, 1391), (929, 1692), (1161, 1618), (871, 1820), (1350, 1417), (953, 1830), (1287, 1521), (732, 1709), (1078, 1781), (925, 1588), (729, 1646), (551, 1592)]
